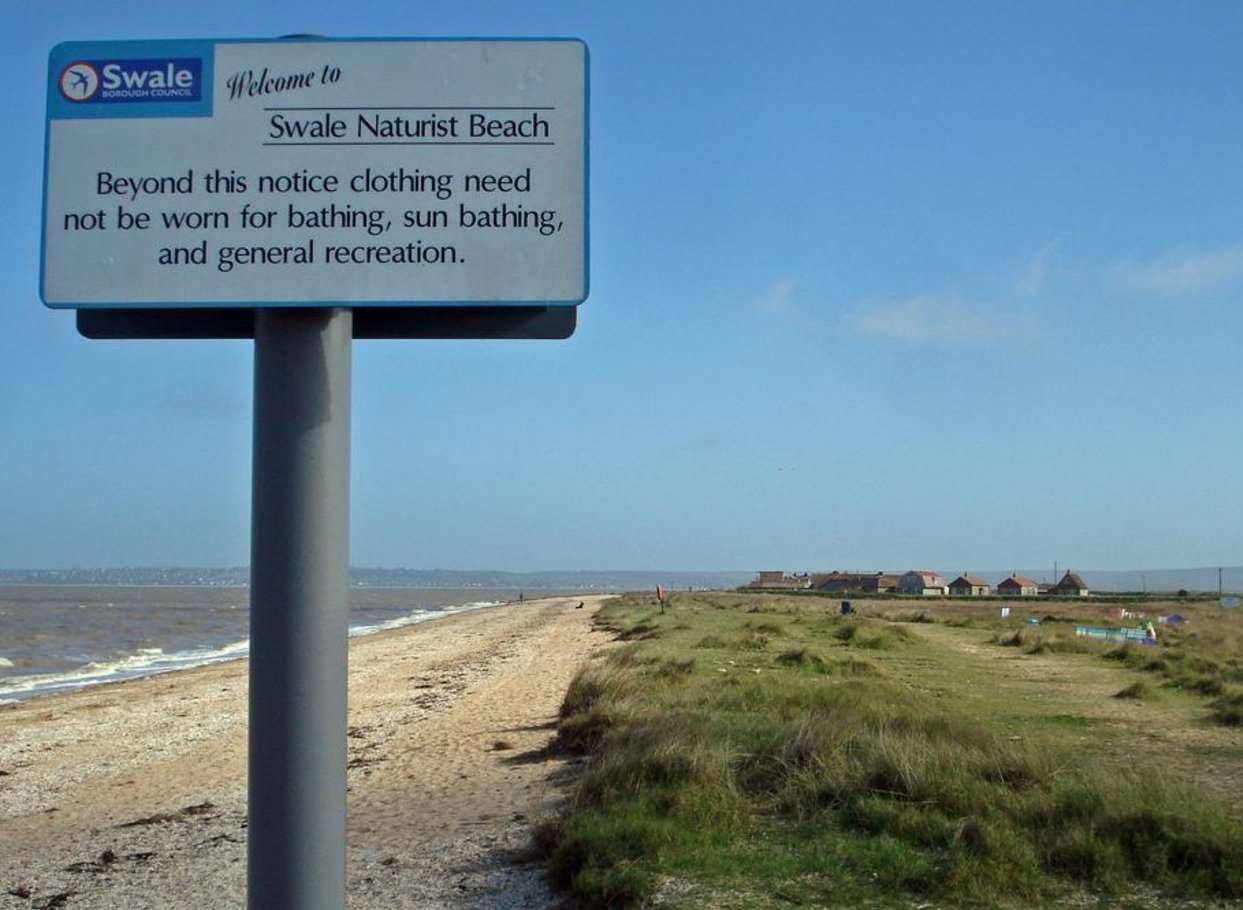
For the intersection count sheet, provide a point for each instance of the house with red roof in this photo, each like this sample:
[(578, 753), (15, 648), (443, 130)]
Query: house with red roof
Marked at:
[(1018, 586)]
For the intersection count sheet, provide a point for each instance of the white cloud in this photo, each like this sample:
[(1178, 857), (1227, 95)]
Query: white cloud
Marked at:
[(936, 321), (776, 298), (1180, 274), (1031, 278)]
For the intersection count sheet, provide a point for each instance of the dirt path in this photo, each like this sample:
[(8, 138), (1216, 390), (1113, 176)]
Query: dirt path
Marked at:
[(133, 795)]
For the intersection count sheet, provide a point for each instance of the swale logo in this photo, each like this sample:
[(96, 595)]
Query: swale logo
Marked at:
[(104, 81), (79, 81)]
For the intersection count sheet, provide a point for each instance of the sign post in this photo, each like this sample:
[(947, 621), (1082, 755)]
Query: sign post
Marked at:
[(305, 193), (299, 580)]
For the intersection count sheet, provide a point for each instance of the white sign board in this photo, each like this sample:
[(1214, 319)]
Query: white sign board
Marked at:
[(314, 172)]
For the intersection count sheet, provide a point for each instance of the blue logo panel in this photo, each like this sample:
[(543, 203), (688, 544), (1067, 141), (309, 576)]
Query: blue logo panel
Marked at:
[(130, 79)]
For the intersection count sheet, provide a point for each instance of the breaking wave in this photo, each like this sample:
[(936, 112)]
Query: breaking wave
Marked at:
[(153, 661)]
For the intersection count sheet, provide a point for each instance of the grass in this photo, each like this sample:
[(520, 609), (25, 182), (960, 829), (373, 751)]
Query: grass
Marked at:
[(1137, 691), (1039, 641), (871, 635), (801, 773), (1203, 657), (1191, 663), (1228, 710)]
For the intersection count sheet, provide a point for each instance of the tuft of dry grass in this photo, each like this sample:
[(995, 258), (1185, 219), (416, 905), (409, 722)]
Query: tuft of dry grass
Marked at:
[(1138, 691)]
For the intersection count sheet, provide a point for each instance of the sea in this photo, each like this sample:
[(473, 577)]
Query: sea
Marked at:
[(55, 639)]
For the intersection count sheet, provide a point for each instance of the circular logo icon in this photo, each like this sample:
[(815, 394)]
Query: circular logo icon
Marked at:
[(79, 81)]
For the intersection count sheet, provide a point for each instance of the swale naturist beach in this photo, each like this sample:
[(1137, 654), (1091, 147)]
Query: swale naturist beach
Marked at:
[(134, 794)]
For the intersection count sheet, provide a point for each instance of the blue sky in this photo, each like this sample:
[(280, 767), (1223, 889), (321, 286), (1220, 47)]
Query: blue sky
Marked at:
[(873, 286)]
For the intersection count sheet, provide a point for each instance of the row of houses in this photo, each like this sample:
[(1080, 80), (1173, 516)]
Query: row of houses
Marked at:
[(919, 583)]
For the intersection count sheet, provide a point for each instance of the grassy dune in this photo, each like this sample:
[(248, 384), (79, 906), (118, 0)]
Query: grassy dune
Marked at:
[(1204, 657), (757, 751)]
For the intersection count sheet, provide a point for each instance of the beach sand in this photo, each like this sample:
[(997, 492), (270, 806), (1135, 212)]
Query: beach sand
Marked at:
[(134, 794)]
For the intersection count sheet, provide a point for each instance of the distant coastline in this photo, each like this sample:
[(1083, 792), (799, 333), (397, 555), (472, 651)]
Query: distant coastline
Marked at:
[(239, 577), (1203, 579)]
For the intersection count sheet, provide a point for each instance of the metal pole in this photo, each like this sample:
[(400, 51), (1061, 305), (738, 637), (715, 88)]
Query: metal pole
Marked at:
[(298, 619)]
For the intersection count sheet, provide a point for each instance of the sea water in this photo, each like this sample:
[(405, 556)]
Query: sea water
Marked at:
[(54, 639)]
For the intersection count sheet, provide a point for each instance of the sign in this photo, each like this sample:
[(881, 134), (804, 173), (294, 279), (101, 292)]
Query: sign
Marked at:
[(381, 173)]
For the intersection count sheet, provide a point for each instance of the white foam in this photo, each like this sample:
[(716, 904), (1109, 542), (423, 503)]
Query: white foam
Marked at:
[(153, 661), (5, 662), (147, 662), (417, 616)]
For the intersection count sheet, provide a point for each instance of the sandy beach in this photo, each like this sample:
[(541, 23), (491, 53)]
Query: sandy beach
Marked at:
[(134, 795)]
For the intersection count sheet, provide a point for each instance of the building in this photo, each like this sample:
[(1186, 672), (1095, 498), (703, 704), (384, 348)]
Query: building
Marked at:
[(766, 579), (856, 582), (969, 586), (921, 583), (780, 581), (1071, 585), (1018, 586)]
